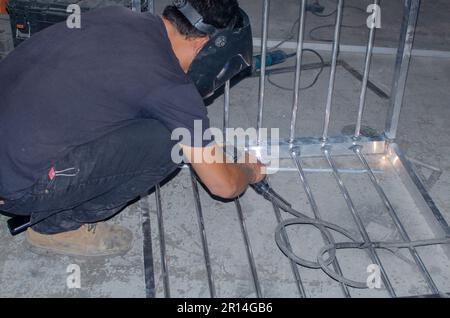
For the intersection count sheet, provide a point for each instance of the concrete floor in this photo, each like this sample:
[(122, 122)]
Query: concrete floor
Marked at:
[(422, 127)]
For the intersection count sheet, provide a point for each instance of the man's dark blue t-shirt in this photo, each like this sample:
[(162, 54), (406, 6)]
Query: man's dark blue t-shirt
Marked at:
[(66, 87)]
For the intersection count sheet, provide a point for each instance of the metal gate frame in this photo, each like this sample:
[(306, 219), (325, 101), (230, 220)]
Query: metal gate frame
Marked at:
[(331, 147)]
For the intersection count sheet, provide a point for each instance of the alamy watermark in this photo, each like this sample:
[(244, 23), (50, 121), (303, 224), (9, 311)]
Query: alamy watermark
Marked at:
[(374, 20), (374, 278), (74, 19), (232, 141), (73, 280)]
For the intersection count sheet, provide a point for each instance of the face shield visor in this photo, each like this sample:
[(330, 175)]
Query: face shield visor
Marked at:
[(228, 52)]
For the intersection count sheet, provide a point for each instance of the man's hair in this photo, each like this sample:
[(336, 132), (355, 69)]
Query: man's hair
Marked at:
[(219, 13)]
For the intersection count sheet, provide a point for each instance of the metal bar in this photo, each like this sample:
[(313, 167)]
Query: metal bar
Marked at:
[(294, 267), (151, 6), (371, 251), (262, 81), (292, 45), (136, 5), (149, 271), (419, 194), (337, 33), (298, 70), (251, 259), (368, 62), (162, 242), (226, 109), (313, 170), (201, 225), (397, 222), (315, 209), (408, 29), (248, 248)]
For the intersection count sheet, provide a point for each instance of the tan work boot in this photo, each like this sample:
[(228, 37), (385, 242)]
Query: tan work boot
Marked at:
[(99, 239)]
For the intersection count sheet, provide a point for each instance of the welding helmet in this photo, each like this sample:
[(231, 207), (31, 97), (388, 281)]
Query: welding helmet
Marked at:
[(228, 51)]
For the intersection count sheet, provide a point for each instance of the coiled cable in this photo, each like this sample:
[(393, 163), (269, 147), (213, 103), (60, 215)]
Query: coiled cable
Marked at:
[(331, 246)]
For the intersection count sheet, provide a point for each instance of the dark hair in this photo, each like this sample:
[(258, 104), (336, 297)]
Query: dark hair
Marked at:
[(219, 13)]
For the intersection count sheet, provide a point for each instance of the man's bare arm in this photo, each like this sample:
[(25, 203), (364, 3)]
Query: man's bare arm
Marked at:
[(223, 179)]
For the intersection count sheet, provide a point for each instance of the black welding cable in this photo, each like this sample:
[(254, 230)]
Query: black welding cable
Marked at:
[(314, 82), (331, 246)]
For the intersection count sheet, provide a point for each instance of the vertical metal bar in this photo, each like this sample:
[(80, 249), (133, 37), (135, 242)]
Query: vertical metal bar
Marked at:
[(136, 5), (248, 248), (162, 242), (201, 225), (295, 153), (371, 251), (368, 62), (335, 53), (298, 70), (226, 109), (410, 16), (149, 272), (262, 79), (151, 6), (294, 266), (395, 218), (251, 259)]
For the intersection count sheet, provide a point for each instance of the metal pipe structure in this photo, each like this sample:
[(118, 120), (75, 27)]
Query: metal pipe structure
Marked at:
[(262, 80), (371, 251), (334, 58), (365, 80), (294, 267), (201, 225), (298, 70), (248, 248), (315, 209), (162, 242), (151, 6), (408, 29), (226, 109), (136, 5), (398, 224)]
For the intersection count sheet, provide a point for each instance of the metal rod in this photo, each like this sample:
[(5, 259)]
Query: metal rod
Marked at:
[(314, 170), (315, 209), (226, 109), (151, 6), (162, 242), (334, 58), (298, 70), (251, 259), (294, 267), (368, 62), (397, 222), (201, 225), (408, 29), (371, 251), (262, 81), (136, 5), (149, 269)]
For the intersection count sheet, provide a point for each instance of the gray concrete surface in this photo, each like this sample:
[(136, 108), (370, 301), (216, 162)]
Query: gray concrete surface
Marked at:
[(422, 136)]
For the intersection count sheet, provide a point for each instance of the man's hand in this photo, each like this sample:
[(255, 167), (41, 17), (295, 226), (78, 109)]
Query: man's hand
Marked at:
[(226, 180)]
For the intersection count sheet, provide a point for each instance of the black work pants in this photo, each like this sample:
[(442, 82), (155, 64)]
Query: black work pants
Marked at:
[(97, 180)]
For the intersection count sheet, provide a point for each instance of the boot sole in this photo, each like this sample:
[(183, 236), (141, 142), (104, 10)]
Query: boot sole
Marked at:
[(45, 251)]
